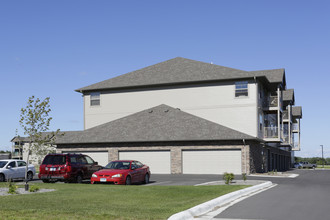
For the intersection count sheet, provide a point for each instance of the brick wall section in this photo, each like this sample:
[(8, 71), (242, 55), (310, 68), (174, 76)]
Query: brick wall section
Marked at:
[(176, 160)]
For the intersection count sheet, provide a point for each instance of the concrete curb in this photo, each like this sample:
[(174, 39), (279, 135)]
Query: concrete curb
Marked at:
[(293, 175), (208, 206)]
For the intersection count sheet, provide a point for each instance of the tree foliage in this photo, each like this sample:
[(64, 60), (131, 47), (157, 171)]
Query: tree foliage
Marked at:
[(313, 160), (35, 121)]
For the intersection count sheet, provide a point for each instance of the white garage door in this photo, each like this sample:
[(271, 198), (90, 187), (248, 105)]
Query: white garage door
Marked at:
[(101, 157), (158, 161), (211, 161)]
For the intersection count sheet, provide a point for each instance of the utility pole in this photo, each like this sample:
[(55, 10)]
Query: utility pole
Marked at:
[(322, 156)]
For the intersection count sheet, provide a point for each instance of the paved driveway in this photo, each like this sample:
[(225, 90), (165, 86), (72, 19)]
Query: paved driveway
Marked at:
[(305, 197)]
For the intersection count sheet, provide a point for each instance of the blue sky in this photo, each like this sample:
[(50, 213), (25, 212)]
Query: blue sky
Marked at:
[(51, 48)]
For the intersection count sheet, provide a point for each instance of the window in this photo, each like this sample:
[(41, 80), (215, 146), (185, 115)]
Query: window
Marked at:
[(12, 164), (54, 160), (82, 160), (21, 163), (241, 88), (89, 160), (73, 159), (260, 122), (95, 99)]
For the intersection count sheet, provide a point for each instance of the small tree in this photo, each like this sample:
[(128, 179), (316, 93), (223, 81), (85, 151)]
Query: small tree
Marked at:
[(35, 121)]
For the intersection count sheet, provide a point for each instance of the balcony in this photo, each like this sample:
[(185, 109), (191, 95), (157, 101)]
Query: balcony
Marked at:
[(16, 155), (296, 147), (270, 103), (295, 127), (285, 138), (285, 115), (271, 134)]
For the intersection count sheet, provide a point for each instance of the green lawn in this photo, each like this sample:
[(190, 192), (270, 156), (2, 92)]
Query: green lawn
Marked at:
[(321, 166), (86, 201)]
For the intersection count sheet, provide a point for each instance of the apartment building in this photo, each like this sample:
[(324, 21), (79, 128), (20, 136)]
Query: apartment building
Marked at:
[(191, 117), (20, 146)]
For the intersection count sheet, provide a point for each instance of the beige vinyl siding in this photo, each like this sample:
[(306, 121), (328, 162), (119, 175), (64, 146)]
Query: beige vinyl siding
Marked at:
[(214, 102)]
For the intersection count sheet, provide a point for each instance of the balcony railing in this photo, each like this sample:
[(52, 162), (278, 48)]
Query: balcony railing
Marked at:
[(286, 114), (295, 127), (271, 132), (271, 101), (285, 138), (16, 154), (296, 146)]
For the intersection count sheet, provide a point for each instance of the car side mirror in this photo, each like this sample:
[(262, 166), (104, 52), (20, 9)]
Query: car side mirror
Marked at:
[(96, 163), (8, 167)]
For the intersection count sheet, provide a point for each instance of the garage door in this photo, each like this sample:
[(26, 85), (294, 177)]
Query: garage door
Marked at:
[(158, 161), (211, 161), (99, 156)]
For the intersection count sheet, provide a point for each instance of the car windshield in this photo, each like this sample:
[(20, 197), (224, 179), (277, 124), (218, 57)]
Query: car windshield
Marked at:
[(54, 160), (118, 165), (3, 163)]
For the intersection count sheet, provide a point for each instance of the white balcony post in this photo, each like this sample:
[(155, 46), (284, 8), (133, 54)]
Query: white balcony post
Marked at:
[(278, 113), (289, 125)]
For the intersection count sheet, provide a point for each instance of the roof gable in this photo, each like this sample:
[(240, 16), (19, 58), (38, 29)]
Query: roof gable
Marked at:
[(158, 124), (174, 71)]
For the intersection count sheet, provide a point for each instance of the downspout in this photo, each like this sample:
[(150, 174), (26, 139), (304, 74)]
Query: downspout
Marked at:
[(245, 156)]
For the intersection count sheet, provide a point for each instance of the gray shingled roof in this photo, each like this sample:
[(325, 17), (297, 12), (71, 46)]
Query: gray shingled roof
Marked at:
[(273, 76), (288, 95), (159, 124), (181, 70), (44, 135), (297, 111)]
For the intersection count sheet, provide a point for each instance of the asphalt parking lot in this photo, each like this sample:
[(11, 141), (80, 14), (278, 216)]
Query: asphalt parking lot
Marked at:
[(182, 179), (304, 197), (194, 179)]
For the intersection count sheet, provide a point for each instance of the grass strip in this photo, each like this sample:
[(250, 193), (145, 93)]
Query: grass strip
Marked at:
[(81, 201)]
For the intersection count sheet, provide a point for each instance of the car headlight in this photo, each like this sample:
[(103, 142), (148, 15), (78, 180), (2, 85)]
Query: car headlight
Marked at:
[(94, 175), (117, 175)]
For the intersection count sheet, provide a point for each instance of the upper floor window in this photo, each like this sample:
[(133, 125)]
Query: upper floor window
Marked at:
[(241, 88), (95, 98)]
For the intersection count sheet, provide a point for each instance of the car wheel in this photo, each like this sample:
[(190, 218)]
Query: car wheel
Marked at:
[(2, 178), (79, 179), (128, 180), (146, 179), (30, 176)]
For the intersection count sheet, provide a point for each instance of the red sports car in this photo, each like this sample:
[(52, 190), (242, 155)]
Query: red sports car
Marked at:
[(122, 172)]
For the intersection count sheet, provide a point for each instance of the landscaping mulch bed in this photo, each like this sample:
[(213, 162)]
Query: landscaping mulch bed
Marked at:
[(4, 191)]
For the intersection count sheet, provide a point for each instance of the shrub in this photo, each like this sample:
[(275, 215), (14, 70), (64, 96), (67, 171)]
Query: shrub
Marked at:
[(34, 188), (244, 176), (228, 177), (12, 187)]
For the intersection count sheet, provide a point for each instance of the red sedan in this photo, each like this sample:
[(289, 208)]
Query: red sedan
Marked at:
[(122, 172)]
